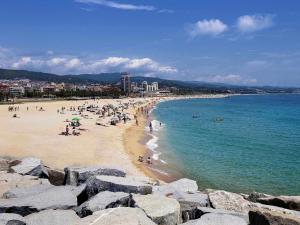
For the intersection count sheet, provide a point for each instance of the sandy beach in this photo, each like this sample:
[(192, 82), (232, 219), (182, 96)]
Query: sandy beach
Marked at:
[(36, 133)]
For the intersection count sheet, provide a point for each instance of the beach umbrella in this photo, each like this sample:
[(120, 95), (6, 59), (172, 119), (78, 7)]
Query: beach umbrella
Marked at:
[(76, 119)]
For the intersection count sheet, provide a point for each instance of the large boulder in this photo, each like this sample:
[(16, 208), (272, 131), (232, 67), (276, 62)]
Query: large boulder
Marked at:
[(103, 200), (79, 175), (56, 177), (11, 218), (117, 216), (12, 180), (217, 219), (254, 196), (58, 197), (162, 210), (182, 185), (27, 191), (288, 202), (30, 166), (229, 201), (263, 217), (206, 210), (189, 203), (97, 184), (51, 217)]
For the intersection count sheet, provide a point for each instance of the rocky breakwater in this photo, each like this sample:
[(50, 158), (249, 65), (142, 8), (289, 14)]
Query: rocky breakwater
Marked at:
[(34, 194)]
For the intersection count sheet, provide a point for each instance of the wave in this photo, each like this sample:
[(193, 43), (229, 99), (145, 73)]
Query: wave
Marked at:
[(152, 144), (156, 125)]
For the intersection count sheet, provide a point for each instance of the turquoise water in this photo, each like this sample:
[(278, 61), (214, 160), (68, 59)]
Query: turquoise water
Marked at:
[(253, 145)]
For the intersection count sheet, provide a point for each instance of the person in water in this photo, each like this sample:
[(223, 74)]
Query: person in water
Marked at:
[(150, 127)]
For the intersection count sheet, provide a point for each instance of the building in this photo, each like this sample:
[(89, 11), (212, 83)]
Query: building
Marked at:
[(16, 91), (155, 86), (125, 83)]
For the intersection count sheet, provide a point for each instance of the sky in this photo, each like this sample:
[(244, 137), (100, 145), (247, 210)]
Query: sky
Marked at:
[(244, 42)]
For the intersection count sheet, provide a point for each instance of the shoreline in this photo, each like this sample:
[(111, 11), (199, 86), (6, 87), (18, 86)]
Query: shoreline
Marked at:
[(135, 140)]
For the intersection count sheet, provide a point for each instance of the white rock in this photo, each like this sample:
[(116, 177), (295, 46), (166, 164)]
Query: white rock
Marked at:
[(162, 210)]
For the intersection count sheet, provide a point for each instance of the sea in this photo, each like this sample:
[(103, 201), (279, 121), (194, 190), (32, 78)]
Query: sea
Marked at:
[(241, 143)]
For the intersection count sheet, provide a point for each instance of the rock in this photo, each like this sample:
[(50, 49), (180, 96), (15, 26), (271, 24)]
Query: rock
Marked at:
[(217, 219), (205, 210), (189, 211), (189, 204), (288, 202), (58, 197), (162, 210), (4, 164), (11, 218), (79, 175), (182, 185), (229, 201), (197, 197), (256, 195), (12, 180), (51, 217), (30, 166), (259, 206), (263, 217), (117, 216), (56, 177), (103, 200), (97, 184), (27, 191), (15, 222)]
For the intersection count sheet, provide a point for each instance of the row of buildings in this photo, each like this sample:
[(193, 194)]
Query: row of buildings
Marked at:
[(18, 88)]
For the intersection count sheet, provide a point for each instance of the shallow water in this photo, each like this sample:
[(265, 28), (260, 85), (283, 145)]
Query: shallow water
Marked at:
[(241, 143)]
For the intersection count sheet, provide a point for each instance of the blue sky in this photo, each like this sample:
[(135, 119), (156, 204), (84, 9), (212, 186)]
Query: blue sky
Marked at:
[(253, 42)]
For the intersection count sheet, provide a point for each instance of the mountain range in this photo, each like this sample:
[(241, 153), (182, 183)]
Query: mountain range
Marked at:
[(114, 78)]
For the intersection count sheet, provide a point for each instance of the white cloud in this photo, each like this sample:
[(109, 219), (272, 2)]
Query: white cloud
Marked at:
[(258, 63), (61, 64), (212, 27), (231, 79), (118, 5), (252, 23)]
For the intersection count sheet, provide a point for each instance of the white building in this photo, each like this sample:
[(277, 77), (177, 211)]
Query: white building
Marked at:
[(16, 91)]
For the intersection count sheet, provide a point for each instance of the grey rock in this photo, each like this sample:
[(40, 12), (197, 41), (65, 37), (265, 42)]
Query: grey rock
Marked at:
[(15, 222), (11, 218), (288, 202), (4, 164), (205, 210), (51, 217), (197, 197), (256, 195), (117, 216), (229, 201), (189, 203), (103, 200), (79, 175), (30, 166), (97, 184), (56, 177), (12, 180), (27, 191), (182, 185), (162, 210), (217, 219), (259, 206), (58, 197), (263, 217)]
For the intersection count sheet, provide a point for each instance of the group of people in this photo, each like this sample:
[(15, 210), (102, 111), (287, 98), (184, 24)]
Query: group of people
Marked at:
[(74, 132), (148, 160)]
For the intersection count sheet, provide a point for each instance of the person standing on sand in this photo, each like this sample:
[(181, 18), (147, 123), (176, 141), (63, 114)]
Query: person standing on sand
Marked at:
[(67, 130)]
